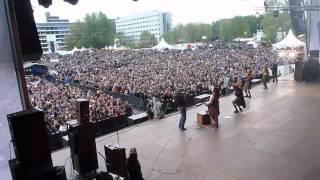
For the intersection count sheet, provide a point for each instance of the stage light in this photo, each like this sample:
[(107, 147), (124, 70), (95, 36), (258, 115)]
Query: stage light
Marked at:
[(281, 54), (292, 54), (45, 3), (73, 2)]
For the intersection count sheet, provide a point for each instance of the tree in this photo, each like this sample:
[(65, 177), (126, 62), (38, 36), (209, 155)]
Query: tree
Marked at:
[(172, 37), (226, 30), (271, 25), (94, 31), (191, 32), (216, 29), (75, 37), (239, 26), (147, 40)]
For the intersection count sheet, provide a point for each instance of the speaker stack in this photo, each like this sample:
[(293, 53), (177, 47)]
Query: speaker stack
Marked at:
[(116, 159), (82, 141), (31, 146)]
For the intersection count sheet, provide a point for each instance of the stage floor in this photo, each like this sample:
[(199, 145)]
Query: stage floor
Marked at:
[(276, 137)]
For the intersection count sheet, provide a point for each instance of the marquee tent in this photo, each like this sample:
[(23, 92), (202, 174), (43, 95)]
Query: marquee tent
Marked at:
[(83, 49), (290, 41), (75, 49), (163, 45)]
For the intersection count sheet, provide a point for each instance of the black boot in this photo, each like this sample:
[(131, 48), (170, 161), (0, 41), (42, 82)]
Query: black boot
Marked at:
[(236, 111)]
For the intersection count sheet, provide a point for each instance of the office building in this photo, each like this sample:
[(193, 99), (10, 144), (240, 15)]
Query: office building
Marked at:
[(52, 33), (157, 23)]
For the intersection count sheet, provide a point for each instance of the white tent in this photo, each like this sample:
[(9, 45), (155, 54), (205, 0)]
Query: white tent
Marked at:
[(75, 49), (290, 41), (163, 45), (254, 44), (83, 49)]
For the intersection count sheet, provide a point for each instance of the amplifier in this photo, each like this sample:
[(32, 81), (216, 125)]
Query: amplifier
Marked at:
[(82, 110), (203, 118), (116, 159)]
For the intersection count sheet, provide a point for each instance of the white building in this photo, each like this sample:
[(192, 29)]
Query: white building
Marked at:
[(52, 33), (155, 22)]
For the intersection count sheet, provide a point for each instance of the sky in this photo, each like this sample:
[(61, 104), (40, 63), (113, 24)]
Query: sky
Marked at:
[(183, 11)]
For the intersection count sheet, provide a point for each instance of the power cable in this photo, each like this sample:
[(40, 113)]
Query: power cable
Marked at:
[(179, 169)]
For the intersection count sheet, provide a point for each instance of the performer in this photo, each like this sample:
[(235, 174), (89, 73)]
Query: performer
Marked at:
[(213, 105), (247, 85), (133, 166), (265, 76), (274, 72), (181, 101), (239, 100)]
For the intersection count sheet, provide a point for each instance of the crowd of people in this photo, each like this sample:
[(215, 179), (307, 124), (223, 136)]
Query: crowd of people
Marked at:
[(143, 73), (153, 73), (58, 103)]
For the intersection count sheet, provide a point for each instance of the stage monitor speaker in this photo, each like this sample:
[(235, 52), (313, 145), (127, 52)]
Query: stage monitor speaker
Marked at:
[(83, 148), (30, 140), (82, 110), (116, 159), (21, 11)]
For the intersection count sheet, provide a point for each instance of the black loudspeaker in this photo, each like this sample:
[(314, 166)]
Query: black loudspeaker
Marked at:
[(116, 159), (313, 64), (22, 11), (82, 110), (83, 148), (298, 73), (30, 140)]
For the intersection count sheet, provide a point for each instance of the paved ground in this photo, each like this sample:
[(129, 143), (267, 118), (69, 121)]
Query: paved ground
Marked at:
[(276, 137)]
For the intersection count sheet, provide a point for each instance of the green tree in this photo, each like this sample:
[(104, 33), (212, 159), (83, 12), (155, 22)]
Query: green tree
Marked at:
[(94, 31), (216, 29), (147, 40), (237, 27), (75, 37), (171, 37), (271, 25), (226, 30), (191, 32)]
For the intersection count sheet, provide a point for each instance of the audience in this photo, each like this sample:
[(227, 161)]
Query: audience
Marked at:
[(143, 73), (58, 102)]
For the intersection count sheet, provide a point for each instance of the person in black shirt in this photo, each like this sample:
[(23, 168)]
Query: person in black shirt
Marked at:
[(133, 166), (181, 101), (274, 72), (239, 101)]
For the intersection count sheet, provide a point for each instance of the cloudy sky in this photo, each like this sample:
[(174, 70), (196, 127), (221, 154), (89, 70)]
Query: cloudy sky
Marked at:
[(183, 11)]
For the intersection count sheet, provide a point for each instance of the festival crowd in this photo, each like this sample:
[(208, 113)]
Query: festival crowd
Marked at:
[(58, 103), (143, 73)]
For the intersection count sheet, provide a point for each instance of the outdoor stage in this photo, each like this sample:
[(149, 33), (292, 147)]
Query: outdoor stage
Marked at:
[(276, 137)]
